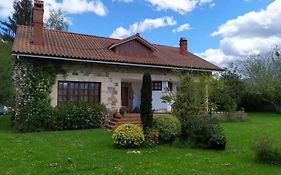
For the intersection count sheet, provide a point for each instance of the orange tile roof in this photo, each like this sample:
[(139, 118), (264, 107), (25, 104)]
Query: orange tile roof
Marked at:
[(87, 47)]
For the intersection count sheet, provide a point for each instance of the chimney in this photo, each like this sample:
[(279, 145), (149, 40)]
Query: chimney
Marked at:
[(183, 46), (38, 12)]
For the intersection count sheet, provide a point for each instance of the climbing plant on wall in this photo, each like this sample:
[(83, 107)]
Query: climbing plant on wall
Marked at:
[(33, 81)]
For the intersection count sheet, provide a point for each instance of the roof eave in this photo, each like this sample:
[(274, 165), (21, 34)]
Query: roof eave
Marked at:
[(19, 54)]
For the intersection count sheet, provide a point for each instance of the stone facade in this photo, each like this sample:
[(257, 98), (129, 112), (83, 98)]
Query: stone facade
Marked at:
[(111, 77)]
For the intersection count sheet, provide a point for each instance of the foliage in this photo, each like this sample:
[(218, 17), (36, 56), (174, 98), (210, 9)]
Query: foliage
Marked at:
[(122, 110), (91, 152), (7, 89), (263, 73), (151, 138), (78, 115), (189, 101), (190, 107), (253, 102), (128, 136), (169, 127), (204, 131), (265, 150), (227, 91), (33, 82), (190, 97), (146, 102), (21, 16), (57, 21)]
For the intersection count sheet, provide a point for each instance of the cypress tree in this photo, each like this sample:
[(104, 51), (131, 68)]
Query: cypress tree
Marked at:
[(146, 102)]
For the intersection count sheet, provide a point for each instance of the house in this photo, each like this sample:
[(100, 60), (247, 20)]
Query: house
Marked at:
[(106, 70)]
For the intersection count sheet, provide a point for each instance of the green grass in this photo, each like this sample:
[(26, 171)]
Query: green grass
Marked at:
[(92, 152)]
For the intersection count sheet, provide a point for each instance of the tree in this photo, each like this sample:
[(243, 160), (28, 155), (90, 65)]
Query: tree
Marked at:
[(263, 73), (22, 15), (7, 90), (57, 21), (146, 102), (227, 91)]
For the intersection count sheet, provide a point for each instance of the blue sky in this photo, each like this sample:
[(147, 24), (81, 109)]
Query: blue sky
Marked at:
[(205, 23)]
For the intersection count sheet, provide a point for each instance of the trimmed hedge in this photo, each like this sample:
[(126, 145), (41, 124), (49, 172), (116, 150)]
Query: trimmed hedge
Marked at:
[(128, 136), (169, 127), (78, 115)]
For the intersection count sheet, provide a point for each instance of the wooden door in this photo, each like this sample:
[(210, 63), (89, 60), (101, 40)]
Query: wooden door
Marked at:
[(125, 96)]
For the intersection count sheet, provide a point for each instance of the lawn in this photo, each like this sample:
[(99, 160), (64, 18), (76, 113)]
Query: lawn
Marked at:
[(92, 152)]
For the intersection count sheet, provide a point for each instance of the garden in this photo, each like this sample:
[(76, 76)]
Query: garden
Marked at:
[(92, 152)]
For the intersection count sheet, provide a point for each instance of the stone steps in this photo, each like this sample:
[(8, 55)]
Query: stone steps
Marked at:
[(126, 119)]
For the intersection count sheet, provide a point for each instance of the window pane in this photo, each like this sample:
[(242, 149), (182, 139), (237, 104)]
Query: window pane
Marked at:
[(76, 91)]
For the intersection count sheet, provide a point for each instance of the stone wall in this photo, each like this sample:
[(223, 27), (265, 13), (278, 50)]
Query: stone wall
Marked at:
[(110, 77)]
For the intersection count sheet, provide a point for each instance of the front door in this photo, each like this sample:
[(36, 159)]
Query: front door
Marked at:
[(125, 96)]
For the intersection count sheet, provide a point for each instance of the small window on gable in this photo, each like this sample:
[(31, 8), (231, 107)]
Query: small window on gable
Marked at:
[(157, 85)]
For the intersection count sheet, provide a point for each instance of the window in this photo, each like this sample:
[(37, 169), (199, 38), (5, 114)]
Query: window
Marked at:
[(79, 91), (157, 85)]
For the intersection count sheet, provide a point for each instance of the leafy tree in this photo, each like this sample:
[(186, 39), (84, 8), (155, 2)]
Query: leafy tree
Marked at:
[(21, 16), (263, 73), (227, 91), (146, 102), (190, 98), (7, 91), (57, 20)]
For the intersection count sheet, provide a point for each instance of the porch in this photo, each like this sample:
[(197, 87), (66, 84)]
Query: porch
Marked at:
[(131, 95)]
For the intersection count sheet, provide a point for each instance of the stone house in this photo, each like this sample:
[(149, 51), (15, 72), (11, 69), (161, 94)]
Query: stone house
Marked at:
[(106, 70)]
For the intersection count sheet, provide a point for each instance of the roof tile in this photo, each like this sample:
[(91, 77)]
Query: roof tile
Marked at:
[(79, 46)]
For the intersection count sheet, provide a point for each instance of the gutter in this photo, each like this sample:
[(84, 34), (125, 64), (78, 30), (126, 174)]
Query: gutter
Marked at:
[(111, 62)]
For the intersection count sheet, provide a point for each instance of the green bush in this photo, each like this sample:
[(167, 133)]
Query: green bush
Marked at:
[(169, 127), (128, 136), (203, 131), (122, 110), (265, 150), (78, 115)]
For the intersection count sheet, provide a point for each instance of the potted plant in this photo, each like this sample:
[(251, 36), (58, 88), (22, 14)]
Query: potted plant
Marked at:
[(123, 110)]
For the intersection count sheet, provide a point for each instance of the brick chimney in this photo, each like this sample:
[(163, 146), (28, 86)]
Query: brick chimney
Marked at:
[(38, 12), (183, 46)]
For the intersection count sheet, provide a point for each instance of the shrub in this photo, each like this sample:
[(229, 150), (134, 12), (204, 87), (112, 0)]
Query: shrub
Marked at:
[(169, 127), (204, 131), (217, 140), (78, 115), (128, 136), (146, 102), (122, 110), (151, 138), (266, 152)]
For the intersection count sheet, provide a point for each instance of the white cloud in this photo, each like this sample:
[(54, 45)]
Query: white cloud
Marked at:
[(180, 6), (182, 28), (216, 56), (145, 25), (252, 33), (6, 8), (78, 6), (67, 6)]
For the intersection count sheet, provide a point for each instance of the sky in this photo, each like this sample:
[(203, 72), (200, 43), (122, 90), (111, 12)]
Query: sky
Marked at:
[(220, 31)]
